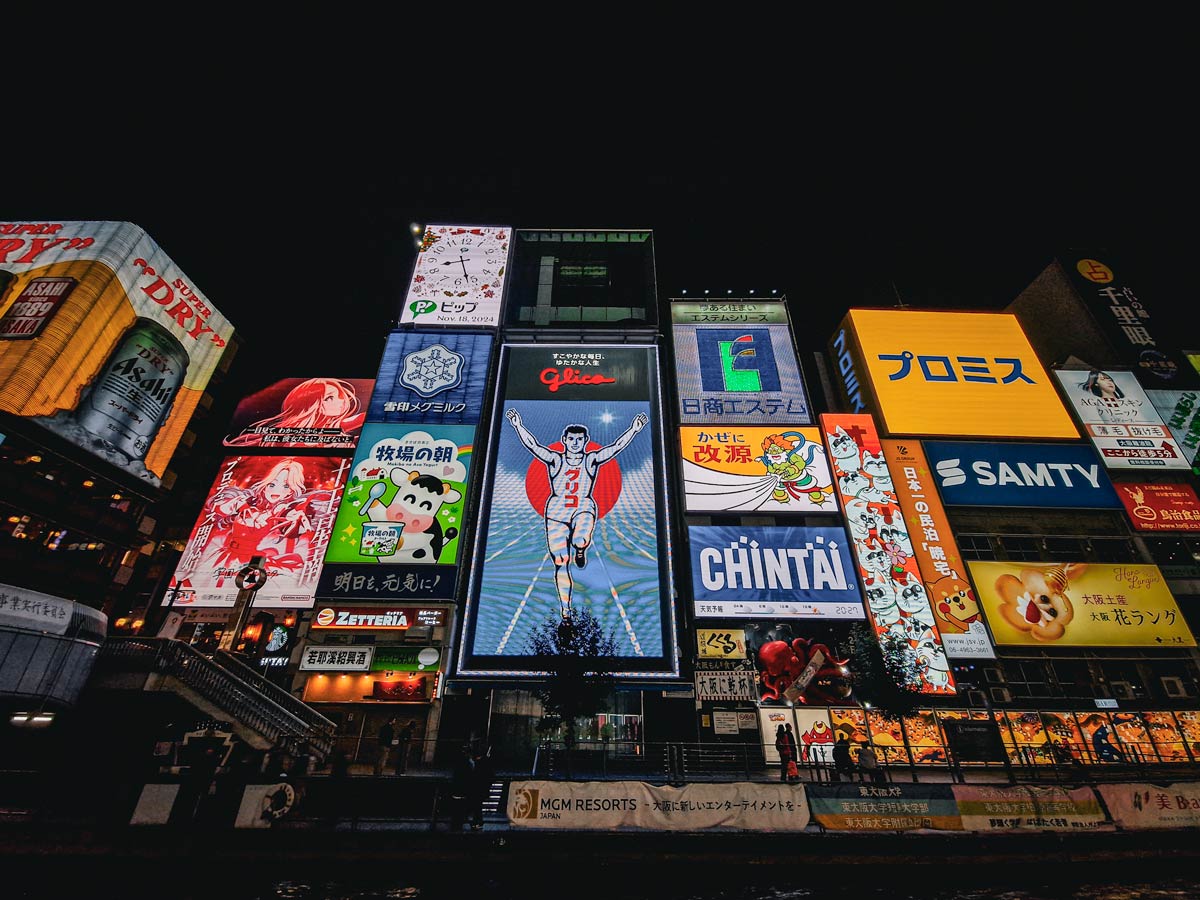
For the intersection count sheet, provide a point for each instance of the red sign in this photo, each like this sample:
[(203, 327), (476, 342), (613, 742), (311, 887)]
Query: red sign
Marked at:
[(31, 310), (1161, 507), (376, 618)]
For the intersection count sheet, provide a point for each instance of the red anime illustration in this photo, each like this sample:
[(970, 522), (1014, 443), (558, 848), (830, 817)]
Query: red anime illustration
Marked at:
[(314, 412)]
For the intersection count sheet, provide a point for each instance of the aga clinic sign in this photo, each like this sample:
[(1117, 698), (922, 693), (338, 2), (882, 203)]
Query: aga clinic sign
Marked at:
[(953, 374)]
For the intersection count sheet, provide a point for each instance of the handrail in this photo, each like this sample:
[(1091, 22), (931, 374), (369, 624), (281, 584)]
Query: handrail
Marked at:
[(296, 707), (223, 688)]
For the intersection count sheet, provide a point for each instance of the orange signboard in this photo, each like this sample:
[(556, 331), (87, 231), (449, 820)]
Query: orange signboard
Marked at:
[(1161, 507), (968, 374)]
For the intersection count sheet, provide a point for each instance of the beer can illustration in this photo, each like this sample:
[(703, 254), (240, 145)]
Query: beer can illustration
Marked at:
[(134, 390)]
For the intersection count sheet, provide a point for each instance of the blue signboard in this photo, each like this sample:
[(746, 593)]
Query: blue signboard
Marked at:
[(795, 572), (1058, 475), (436, 379)]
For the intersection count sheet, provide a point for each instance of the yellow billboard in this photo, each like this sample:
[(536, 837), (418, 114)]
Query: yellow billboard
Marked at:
[(1079, 605), (968, 374)]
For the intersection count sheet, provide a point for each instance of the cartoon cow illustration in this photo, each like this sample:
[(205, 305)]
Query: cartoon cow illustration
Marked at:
[(415, 507)]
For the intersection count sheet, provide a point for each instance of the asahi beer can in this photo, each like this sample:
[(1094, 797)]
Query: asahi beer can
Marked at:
[(130, 398)]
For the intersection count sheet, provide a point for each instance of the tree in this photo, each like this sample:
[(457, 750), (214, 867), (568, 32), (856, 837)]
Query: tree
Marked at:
[(885, 671), (578, 657)]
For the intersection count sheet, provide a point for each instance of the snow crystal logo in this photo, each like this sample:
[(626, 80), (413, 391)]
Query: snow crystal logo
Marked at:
[(951, 472), (432, 370)]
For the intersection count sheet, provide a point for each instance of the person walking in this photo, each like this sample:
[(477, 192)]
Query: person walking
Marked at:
[(842, 763), (387, 740), (406, 736), (461, 778), (786, 745)]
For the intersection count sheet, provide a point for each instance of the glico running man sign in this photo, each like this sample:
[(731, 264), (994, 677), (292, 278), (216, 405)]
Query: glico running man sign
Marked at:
[(577, 509)]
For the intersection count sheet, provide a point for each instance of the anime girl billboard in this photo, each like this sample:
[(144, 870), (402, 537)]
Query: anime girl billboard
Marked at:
[(576, 513), (281, 509), (302, 412)]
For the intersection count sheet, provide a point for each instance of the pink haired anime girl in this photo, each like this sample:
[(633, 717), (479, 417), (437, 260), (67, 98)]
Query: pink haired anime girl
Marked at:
[(318, 403)]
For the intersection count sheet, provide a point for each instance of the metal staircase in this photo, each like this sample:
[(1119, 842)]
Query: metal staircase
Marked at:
[(264, 714)]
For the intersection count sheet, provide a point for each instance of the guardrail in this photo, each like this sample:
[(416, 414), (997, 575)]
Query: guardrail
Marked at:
[(296, 707), (223, 687)]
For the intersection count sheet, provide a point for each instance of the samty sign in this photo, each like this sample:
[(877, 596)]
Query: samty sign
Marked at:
[(947, 373)]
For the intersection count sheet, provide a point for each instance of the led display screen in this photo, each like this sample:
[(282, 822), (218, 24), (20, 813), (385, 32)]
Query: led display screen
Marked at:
[(747, 469), (948, 373), (103, 340), (1120, 420), (280, 509), (1079, 605), (739, 374), (302, 412), (575, 509), (433, 378), (459, 276), (397, 529), (897, 603)]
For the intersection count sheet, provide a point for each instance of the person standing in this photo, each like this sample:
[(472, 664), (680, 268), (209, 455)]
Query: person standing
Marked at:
[(868, 764), (387, 740), (842, 763), (406, 736), (786, 745), (461, 779), (795, 747)]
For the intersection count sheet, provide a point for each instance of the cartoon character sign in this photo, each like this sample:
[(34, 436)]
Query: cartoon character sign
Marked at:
[(897, 600), (302, 412), (278, 508)]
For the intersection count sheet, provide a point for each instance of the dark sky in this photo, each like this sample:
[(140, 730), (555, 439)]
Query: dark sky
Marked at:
[(310, 258)]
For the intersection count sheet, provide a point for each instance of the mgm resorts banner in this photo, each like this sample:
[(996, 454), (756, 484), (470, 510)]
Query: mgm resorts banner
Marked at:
[(614, 805), (780, 572)]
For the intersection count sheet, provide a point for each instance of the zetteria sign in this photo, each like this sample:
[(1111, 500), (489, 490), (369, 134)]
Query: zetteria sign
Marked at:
[(1058, 475), (784, 572), (376, 618)]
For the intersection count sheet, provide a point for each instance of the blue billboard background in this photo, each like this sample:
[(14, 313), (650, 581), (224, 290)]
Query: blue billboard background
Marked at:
[(1031, 475), (436, 379)]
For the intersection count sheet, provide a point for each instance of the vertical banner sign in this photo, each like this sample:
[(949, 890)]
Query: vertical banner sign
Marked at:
[(397, 529), (280, 508), (1115, 303), (576, 517), (435, 378), (896, 599), (735, 363), (955, 607), (745, 469), (459, 276), (1122, 423)]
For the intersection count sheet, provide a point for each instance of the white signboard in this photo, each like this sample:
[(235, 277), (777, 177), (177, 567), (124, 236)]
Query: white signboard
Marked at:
[(612, 805), (317, 658), (23, 608), (726, 684), (725, 721), (1122, 423), (459, 277)]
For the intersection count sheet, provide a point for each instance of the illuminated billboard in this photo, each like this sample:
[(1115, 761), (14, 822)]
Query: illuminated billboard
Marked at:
[(302, 412), (103, 340), (749, 469), (1160, 507), (397, 528), (748, 572), (952, 599), (732, 373), (575, 511), (279, 508), (898, 606), (1179, 410), (1120, 420), (967, 374), (434, 378), (975, 473), (459, 276), (1079, 605)]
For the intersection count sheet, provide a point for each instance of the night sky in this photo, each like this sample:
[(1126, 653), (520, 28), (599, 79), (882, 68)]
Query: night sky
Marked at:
[(311, 264)]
